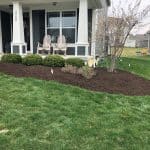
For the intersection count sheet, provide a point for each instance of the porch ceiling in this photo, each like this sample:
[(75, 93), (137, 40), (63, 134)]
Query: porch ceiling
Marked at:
[(92, 3)]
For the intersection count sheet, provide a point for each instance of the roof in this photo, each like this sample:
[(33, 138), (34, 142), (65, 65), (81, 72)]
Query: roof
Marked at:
[(95, 3)]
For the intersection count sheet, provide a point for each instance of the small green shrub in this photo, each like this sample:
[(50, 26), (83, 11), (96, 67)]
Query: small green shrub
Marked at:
[(54, 61), (33, 59), (11, 58), (77, 62)]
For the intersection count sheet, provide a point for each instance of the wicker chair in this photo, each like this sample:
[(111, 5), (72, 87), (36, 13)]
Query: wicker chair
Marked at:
[(46, 47)]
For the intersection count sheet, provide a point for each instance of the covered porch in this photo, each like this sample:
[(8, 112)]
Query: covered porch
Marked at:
[(24, 23)]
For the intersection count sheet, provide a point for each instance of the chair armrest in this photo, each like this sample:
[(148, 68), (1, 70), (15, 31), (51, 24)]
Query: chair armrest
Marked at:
[(39, 44)]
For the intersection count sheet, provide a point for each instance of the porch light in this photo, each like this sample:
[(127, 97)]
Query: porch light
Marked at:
[(10, 7), (54, 3)]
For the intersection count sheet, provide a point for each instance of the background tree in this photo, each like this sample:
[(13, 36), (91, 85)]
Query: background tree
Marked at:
[(118, 27)]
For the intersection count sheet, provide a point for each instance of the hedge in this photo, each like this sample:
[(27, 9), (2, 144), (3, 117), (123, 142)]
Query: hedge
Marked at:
[(54, 61), (77, 62), (33, 59), (11, 58)]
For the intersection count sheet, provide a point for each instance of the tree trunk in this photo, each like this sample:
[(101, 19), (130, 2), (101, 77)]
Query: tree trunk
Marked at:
[(112, 65)]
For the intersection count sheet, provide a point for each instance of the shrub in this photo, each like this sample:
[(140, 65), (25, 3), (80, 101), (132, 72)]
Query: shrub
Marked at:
[(11, 58), (54, 61), (77, 62), (70, 69), (87, 72), (33, 59)]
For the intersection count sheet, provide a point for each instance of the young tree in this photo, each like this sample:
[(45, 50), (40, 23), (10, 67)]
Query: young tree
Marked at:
[(119, 26)]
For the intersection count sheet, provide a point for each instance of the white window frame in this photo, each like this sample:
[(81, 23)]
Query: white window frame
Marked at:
[(46, 11), (61, 27)]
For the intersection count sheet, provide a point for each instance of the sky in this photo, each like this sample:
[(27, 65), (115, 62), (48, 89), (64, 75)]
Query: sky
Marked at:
[(145, 23), (144, 3)]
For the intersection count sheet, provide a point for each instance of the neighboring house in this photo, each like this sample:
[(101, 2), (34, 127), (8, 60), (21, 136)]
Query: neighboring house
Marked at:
[(139, 40), (24, 23), (142, 40), (139, 35), (131, 41)]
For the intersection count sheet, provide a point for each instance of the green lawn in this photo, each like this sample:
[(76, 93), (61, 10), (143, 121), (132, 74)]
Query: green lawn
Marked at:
[(136, 65), (41, 115)]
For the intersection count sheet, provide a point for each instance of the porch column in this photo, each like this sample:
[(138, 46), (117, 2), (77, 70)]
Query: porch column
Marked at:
[(82, 44), (18, 44), (93, 41), (94, 29), (1, 44)]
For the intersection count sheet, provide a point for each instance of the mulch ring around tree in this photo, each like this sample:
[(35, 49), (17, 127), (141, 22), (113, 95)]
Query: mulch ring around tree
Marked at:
[(121, 82)]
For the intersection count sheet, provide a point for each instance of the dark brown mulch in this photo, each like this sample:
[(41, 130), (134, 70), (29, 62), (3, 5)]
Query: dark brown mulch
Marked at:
[(120, 82)]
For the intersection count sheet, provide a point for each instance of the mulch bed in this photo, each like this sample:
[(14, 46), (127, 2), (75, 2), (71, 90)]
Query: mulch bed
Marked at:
[(120, 82)]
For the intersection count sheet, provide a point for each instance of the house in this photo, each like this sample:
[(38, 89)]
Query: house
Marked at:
[(139, 36), (24, 23), (139, 40), (142, 40), (130, 41)]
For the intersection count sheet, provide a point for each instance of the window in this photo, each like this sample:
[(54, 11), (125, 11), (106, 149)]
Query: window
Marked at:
[(53, 25), (81, 50), (54, 33), (70, 50), (62, 23), (53, 19), (69, 25), (69, 19), (69, 34)]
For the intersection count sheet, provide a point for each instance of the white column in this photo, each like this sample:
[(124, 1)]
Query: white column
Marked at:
[(1, 44), (18, 28), (93, 41), (83, 22), (94, 28), (31, 32), (83, 27)]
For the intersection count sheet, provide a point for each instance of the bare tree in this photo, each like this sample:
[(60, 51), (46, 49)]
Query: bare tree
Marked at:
[(119, 26)]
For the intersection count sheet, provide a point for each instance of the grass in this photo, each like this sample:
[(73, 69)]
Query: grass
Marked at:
[(41, 115), (137, 65), (131, 52)]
